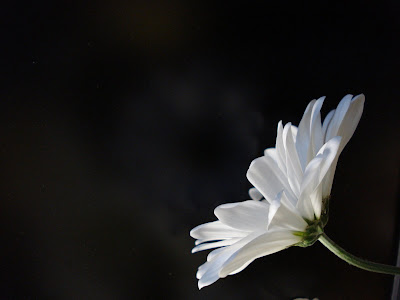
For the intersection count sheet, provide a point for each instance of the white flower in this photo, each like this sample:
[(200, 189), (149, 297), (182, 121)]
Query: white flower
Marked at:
[(292, 186)]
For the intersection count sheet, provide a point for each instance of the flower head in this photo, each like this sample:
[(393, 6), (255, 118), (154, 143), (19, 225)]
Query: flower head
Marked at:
[(292, 183)]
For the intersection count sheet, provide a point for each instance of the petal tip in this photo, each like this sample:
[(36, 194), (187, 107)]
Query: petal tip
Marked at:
[(360, 97), (192, 233)]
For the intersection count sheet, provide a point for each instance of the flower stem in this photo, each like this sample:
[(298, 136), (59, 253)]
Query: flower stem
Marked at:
[(356, 261)]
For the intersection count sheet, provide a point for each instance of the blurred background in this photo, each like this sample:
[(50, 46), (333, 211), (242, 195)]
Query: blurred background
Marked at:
[(123, 124)]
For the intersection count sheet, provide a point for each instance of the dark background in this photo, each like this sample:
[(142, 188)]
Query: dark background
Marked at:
[(123, 124)]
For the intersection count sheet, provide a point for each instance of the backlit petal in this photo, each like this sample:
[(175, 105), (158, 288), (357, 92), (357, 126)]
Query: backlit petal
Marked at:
[(267, 243), (294, 171), (215, 231), (268, 178), (248, 215), (210, 245), (209, 272), (338, 116), (285, 215), (303, 135), (313, 176)]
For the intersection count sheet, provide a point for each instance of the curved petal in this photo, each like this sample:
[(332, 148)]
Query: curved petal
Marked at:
[(294, 132), (280, 148), (267, 243), (313, 176), (255, 194), (327, 121), (216, 230), (214, 253), (350, 120), (248, 215), (268, 178), (346, 128), (206, 246), (303, 135), (209, 272), (271, 152), (338, 116), (316, 140), (294, 171), (285, 215), (328, 180), (304, 204)]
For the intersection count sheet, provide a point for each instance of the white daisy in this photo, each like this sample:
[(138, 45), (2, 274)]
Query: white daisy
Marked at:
[(292, 184)]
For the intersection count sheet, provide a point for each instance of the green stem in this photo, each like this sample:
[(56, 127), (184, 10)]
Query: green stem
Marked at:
[(356, 261)]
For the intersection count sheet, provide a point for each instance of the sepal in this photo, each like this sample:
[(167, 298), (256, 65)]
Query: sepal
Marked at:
[(313, 231)]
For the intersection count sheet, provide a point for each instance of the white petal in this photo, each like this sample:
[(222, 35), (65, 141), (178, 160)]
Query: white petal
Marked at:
[(208, 273), (294, 132), (273, 208), (248, 215), (303, 135), (214, 253), (268, 178), (313, 176), (255, 194), (304, 204), (271, 152), (327, 121), (316, 129), (216, 230), (316, 200), (286, 215), (329, 151), (294, 171), (206, 246), (345, 129), (338, 116), (328, 180), (280, 148), (351, 119), (197, 242), (267, 243)]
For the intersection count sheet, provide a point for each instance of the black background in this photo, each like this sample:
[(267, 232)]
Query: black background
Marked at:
[(124, 124)]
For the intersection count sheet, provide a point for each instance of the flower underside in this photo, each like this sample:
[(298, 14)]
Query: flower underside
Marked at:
[(315, 227)]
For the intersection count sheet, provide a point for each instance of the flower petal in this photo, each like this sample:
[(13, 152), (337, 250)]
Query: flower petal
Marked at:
[(216, 230), (248, 215), (338, 116), (265, 244), (294, 132), (268, 178), (280, 148), (271, 152), (206, 246), (345, 129), (327, 121), (313, 176), (328, 180), (294, 171), (303, 135), (214, 253), (304, 204), (255, 194), (350, 120), (285, 215), (208, 273), (316, 140)]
